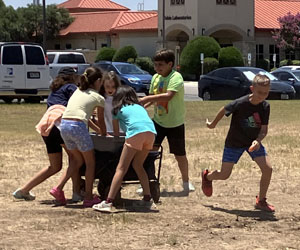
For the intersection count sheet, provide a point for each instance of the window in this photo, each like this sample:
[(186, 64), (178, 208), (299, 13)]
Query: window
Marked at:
[(34, 55), (103, 45), (284, 76), (259, 52), (71, 58), (57, 46), (12, 55), (68, 46), (232, 74), (51, 58), (222, 73)]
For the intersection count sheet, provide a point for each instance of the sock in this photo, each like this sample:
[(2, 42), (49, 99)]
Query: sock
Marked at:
[(109, 200), (147, 197)]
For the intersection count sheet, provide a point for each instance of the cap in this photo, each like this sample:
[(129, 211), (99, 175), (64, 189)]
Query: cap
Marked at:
[(67, 71)]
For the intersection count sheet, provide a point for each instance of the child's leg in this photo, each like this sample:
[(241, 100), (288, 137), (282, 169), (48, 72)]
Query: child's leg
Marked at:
[(73, 167), (183, 167), (122, 168), (223, 174), (55, 166), (89, 159), (137, 164), (266, 174)]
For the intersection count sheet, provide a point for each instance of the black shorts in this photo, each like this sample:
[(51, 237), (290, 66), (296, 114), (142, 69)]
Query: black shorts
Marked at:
[(175, 136), (53, 141)]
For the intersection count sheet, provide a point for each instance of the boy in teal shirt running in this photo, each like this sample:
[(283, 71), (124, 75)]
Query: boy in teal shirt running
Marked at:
[(167, 94)]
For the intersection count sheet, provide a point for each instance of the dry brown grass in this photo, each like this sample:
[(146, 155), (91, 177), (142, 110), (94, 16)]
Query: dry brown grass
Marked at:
[(227, 220)]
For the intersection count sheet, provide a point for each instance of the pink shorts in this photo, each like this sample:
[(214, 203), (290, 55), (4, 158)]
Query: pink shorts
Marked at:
[(141, 141)]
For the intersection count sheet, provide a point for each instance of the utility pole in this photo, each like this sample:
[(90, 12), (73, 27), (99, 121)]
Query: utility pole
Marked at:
[(44, 25), (163, 24)]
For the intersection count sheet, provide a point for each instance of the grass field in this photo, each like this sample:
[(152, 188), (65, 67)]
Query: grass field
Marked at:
[(227, 220)]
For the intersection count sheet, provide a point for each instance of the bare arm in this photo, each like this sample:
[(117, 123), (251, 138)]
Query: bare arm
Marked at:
[(256, 143), (218, 117), (116, 127), (101, 122), (164, 97)]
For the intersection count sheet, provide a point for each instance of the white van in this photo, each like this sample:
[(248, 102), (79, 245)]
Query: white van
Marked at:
[(24, 72)]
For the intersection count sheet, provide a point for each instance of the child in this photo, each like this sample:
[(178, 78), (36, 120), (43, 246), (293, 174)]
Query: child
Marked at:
[(62, 89), (74, 131), (167, 94), (248, 127), (139, 139), (110, 83)]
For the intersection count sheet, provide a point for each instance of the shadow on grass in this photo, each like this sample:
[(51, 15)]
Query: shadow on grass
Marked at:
[(166, 193), (255, 214), (126, 206)]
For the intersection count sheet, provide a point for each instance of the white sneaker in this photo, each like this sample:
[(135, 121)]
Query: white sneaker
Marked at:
[(77, 197), (188, 186), (140, 191), (103, 207), (18, 194)]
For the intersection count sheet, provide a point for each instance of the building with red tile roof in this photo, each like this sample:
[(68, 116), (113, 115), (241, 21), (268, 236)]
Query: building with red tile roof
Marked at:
[(99, 23), (75, 6)]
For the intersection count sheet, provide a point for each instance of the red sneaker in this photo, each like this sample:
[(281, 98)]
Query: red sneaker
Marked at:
[(58, 195), (264, 205), (206, 184)]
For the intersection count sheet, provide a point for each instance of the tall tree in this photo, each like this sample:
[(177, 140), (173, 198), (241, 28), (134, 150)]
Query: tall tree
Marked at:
[(287, 36)]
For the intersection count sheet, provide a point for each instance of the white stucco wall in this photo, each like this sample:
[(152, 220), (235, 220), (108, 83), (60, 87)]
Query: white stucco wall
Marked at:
[(144, 43)]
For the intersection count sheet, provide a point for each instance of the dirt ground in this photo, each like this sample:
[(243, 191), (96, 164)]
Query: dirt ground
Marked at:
[(227, 220)]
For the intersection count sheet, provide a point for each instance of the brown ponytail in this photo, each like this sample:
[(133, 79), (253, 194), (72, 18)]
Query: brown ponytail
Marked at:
[(88, 78)]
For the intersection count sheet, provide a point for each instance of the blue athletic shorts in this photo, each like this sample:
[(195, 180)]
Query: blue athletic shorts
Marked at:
[(234, 154), (76, 135)]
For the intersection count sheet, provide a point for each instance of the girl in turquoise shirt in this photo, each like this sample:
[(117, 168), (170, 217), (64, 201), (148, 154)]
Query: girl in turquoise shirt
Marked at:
[(139, 139)]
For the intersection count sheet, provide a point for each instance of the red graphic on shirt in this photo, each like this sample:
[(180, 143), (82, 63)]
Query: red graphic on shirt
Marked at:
[(257, 119)]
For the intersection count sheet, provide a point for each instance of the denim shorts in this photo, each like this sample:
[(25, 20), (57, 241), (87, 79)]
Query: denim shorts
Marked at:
[(76, 135), (234, 154)]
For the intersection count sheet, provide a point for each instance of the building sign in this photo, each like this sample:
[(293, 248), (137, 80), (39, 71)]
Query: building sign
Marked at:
[(177, 2), (178, 17), (226, 2)]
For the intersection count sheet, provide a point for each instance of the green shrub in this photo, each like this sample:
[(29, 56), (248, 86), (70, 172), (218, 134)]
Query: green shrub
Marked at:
[(105, 54), (210, 64), (130, 60), (145, 63), (190, 56), (296, 62), (273, 69), (283, 63), (123, 54), (230, 57), (264, 64)]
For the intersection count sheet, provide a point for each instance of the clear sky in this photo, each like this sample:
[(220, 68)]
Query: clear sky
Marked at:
[(131, 4)]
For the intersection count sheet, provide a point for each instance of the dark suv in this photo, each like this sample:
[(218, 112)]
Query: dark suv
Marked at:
[(129, 74)]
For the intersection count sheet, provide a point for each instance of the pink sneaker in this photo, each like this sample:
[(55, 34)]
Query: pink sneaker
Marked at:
[(90, 203), (264, 205), (58, 195)]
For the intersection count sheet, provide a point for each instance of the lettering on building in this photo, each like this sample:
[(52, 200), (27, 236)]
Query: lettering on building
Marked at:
[(177, 2), (226, 2), (178, 17)]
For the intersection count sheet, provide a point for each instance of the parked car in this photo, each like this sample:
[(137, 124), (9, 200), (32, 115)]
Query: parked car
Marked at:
[(234, 82), (24, 72), (291, 67), (58, 60), (129, 74), (291, 77)]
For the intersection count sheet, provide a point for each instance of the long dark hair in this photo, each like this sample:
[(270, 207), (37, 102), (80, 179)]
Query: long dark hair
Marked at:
[(88, 78), (111, 76), (124, 95), (61, 80)]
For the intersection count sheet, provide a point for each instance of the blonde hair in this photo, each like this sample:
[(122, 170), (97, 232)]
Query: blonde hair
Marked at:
[(261, 80)]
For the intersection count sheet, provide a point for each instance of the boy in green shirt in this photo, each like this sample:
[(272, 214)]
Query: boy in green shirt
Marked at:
[(167, 94)]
